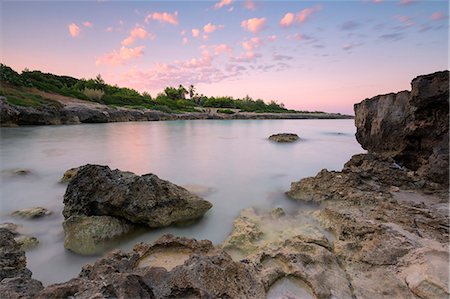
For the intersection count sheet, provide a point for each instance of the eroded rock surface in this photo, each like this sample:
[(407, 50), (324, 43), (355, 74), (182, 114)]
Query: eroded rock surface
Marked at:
[(204, 272), (411, 127), (99, 191)]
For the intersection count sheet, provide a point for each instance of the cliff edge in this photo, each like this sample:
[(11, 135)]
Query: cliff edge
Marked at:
[(410, 126)]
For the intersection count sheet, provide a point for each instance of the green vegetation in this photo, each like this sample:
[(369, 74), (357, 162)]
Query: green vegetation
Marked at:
[(22, 89), (27, 99)]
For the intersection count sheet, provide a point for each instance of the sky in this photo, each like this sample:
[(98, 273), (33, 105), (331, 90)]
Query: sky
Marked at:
[(309, 55)]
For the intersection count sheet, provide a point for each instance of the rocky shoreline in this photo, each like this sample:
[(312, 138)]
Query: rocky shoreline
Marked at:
[(381, 229), (84, 112)]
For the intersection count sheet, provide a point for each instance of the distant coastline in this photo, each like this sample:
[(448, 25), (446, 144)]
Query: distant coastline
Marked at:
[(37, 98), (78, 111)]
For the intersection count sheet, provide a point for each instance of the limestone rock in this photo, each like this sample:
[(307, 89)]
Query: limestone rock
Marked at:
[(88, 235), (257, 231), (205, 272), (311, 263), (284, 137), (99, 191), (411, 127), (426, 272)]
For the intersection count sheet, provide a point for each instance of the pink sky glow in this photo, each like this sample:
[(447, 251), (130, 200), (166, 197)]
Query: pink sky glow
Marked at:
[(309, 55)]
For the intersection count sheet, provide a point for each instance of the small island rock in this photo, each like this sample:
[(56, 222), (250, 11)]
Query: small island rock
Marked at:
[(284, 137)]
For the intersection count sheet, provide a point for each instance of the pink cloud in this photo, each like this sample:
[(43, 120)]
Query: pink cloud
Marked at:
[(377, 1), (252, 43), (195, 33), (297, 36), (406, 2), (204, 61), (137, 33), (109, 29), (210, 28), (248, 56), (254, 25), (185, 40), (163, 17), (74, 30), (271, 38), (221, 48), (300, 17), (222, 3), (303, 15), (87, 24), (405, 20), (287, 20), (250, 5), (120, 57), (437, 16)]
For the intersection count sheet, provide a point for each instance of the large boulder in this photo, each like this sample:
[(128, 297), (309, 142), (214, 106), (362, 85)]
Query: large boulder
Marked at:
[(99, 191), (411, 127)]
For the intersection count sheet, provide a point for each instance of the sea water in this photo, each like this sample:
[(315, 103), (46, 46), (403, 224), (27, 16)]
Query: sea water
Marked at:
[(231, 163)]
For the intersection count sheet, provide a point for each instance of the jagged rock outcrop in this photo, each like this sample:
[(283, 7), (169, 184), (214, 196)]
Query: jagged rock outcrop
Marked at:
[(383, 216), (410, 127), (388, 209), (99, 191), (15, 278), (169, 268)]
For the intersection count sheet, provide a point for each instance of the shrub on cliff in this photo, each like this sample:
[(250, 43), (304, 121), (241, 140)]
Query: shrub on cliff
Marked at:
[(94, 94)]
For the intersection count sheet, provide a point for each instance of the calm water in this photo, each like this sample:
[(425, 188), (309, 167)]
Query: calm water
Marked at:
[(233, 158)]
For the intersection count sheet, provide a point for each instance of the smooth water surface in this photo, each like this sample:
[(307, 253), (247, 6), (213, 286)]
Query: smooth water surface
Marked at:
[(233, 158)]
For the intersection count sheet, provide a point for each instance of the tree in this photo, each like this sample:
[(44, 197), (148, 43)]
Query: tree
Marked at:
[(182, 92), (191, 92)]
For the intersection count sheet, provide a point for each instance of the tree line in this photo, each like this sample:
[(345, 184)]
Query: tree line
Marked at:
[(172, 99)]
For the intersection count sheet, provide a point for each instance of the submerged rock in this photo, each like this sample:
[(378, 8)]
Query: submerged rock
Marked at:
[(69, 174), (24, 241), (284, 137), (99, 191), (411, 127), (150, 272), (30, 213), (89, 235), (257, 231)]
